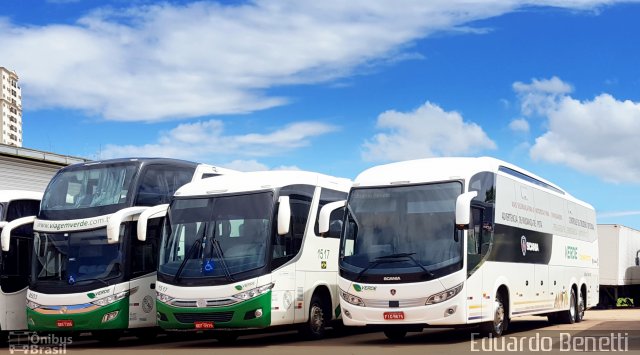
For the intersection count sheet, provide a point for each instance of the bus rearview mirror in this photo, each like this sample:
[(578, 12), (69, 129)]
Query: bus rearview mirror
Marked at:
[(7, 228), (463, 209), (143, 220), (116, 219), (325, 215), (284, 215)]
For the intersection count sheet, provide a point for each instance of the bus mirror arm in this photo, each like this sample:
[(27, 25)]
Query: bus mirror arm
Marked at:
[(116, 219), (463, 209), (638, 257), (158, 211), (325, 215), (5, 237), (284, 215)]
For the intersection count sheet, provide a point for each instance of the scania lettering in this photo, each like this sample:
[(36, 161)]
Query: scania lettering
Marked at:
[(87, 272), (472, 240), (245, 253), (14, 263)]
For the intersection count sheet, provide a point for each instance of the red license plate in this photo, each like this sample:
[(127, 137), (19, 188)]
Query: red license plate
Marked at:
[(393, 315), (64, 323), (203, 325)]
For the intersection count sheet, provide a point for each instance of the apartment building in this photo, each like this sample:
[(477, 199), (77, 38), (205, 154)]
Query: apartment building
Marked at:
[(10, 109)]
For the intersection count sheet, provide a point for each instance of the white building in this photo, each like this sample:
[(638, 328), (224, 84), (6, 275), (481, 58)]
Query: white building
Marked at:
[(10, 109)]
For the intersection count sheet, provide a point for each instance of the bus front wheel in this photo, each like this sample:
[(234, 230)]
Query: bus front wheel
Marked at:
[(498, 325), (314, 329)]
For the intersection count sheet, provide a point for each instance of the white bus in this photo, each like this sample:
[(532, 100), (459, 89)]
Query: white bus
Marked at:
[(14, 263), (89, 271), (458, 241), (244, 252)]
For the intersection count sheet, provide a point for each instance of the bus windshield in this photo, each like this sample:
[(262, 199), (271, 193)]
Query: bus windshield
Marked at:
[(216, 237), (405, 228), (70, 258), (90, 186)]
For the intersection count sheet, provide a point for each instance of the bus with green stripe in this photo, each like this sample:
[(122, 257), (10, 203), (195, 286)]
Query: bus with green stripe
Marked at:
[(89, 272), (244, 252)]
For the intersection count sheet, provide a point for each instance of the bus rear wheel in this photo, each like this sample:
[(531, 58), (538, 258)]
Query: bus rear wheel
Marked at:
[(569, 316)]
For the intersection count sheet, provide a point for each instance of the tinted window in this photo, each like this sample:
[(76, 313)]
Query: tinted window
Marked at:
[(145, 254), (285, 247), (335, 220), (160, 182)]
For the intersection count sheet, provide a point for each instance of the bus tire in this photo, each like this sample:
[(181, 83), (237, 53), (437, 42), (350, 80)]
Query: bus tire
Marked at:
[(499, 324), (580, 307), (315, 327), (395, 334), (569, 316)]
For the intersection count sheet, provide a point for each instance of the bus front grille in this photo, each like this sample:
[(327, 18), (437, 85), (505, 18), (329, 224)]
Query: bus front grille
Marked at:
[(220, 317)]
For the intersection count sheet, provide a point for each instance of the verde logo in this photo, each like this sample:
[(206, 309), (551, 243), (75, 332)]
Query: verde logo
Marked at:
[(571, 253), (360, 288), (91, 295), (238, 287)]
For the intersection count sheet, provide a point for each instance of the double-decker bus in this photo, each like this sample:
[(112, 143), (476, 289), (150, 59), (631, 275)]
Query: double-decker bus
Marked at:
[(85, 276), (244, 252), (14, 258), (459, 241)]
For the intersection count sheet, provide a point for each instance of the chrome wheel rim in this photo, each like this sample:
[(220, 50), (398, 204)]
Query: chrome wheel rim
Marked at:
[(499, 317), (572, 307)]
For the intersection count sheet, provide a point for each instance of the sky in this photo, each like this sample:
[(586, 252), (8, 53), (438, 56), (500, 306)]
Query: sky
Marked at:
[(339, 86)]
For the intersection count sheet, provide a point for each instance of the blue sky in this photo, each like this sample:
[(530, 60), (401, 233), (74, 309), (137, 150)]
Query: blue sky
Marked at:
[(336, 87)]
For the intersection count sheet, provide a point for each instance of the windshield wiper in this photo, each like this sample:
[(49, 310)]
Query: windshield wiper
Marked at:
[(376, 262), (187, 256), (410, 256), (93, 279), (215, 245)]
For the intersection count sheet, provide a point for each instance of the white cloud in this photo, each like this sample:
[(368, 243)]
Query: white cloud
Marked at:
[(206, 141), (598, 137), (426, 132), (170, 61), (540, 95), (254, 165), (519, 125)]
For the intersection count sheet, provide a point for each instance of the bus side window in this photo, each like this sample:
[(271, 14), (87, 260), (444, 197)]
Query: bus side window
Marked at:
[(145, 254), (160, 182), (474, 239)]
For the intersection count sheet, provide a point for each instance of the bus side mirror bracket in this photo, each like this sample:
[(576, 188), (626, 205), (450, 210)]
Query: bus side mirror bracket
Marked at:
[(158, 211), (463, 209), (116, 219), (7, 228), (284, 215), (325, 215)]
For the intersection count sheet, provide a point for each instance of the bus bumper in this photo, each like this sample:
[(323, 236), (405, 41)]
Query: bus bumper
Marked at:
[(253, 313), (448, 313), (66, 318)]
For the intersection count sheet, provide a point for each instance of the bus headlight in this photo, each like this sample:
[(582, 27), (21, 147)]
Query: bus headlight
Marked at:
[(32, 305), (254, 292), (163, 298), (444, 295), (351, 298), (110, 299)]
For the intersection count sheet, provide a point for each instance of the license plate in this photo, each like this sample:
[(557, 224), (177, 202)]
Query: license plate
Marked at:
[(64, 323), (393, 315), (203, 325)]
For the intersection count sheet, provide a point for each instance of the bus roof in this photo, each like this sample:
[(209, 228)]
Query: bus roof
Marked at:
[(10, 195), (261, 180), (448, 168), (135, 160)]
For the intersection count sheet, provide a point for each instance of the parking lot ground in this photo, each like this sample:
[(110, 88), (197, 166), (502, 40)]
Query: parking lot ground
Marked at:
[(602, 330)]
